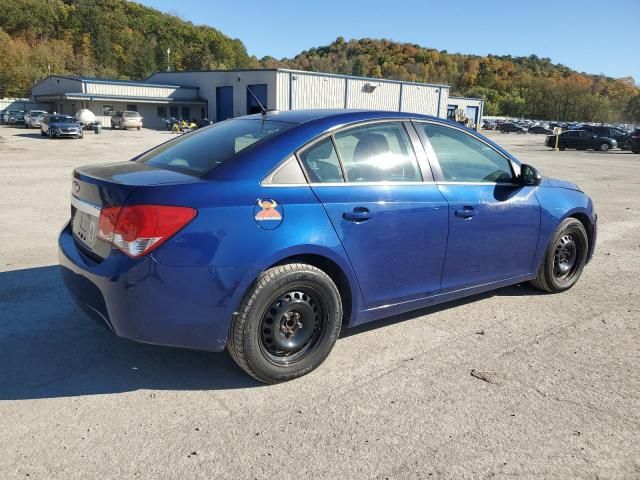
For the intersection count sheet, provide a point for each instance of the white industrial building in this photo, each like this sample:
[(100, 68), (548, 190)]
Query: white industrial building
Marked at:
[(222, 94)]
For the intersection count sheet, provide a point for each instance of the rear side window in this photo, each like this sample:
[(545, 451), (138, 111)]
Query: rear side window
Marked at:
[(201, 151), (464, 158), (379, 152), (321, 162)]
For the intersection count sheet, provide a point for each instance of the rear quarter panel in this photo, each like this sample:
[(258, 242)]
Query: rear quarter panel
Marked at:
[(226, 234)]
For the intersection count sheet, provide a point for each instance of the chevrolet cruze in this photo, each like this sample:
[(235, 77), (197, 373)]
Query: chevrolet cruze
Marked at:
[(267, 234)]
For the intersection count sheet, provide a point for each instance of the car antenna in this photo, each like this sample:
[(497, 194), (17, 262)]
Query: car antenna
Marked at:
[(263, 110)]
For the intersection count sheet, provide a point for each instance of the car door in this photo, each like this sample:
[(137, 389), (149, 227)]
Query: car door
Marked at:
[(392, 220), (493, 221), (585, 139)]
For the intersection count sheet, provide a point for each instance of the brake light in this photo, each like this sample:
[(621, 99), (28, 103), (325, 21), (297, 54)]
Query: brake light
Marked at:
[(138, 229)]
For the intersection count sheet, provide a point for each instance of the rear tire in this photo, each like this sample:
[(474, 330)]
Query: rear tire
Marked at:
[(564, 258), (604, 147), (287, 323)]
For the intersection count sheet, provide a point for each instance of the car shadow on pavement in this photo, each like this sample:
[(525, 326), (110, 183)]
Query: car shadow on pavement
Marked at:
[(35, 135), (49, 348)]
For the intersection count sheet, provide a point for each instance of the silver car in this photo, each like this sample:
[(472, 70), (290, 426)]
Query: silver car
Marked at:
[(126, 119), (33, 118)]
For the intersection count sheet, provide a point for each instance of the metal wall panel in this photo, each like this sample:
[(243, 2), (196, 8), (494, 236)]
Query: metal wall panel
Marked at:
[(385, 96), (421, 99), (283, 91), (317, 91), (55, 85), (123, 89)]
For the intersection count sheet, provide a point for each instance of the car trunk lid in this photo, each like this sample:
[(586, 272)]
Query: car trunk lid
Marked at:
[(98, 186)]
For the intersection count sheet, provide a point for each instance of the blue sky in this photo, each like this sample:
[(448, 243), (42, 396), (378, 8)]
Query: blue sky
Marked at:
[(591, 36)]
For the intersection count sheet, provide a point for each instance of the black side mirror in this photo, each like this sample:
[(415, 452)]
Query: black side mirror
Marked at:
[(529, 176)]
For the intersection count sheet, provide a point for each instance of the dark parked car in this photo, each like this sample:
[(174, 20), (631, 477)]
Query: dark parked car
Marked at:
[(635, 141), (581, 140), (623, 138), (539, 129), (58, 126), (266, 234), (511, 127), (15, 117)]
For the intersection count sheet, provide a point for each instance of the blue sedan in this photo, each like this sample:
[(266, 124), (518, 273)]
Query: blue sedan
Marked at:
[(268, 234)]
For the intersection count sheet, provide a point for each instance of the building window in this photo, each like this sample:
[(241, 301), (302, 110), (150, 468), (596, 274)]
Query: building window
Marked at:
[(186, 113), (203, 115), (132, 108), (107, 110), (174, 112), (451, 112), (162, 112)]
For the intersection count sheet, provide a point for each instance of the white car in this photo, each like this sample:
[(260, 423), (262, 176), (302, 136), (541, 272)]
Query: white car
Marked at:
[(33, 118), (126, 119)]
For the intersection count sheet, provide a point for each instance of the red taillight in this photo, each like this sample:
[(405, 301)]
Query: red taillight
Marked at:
[(138, 229)]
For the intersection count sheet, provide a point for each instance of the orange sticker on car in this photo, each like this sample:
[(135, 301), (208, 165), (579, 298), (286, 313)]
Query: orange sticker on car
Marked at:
[(269, 211)]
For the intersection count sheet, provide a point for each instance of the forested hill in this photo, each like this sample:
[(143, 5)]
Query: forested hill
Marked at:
[(103, 38), (529, 86), (123, 39)]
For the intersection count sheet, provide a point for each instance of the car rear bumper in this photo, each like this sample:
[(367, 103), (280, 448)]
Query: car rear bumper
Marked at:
[(146, 301)]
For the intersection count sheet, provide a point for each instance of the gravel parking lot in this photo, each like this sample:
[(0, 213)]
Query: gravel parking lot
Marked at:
[(555, 389)]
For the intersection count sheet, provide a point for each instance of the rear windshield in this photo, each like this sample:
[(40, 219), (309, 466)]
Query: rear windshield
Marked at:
[(201, 151), (131, 114)]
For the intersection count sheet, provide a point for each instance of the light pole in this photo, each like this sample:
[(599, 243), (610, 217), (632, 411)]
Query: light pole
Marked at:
[(168, 52)]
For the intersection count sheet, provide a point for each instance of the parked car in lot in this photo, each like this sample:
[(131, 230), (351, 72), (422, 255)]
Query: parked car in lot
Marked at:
[(539, 129), (59, 126), (15, 117), (635, 141), (509, 127), (33, 118), (623, 138), (266, 234), (581, 140), (127, 119)]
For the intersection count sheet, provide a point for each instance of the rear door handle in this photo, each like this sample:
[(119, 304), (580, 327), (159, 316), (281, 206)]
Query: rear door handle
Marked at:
[(359, 214), (465, 212)]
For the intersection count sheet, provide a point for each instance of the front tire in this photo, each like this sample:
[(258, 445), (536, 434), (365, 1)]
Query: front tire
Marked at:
[(564, 259), (604, 147), (287, 323)]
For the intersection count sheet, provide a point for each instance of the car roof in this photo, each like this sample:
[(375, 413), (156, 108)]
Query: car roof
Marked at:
[(341, 115)]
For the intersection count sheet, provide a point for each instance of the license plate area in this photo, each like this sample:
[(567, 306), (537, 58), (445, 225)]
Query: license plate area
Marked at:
[(85, 222)]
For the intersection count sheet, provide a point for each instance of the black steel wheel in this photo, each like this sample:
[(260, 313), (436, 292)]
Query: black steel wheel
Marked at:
[(292, 325), (564, 259), (287, 323)]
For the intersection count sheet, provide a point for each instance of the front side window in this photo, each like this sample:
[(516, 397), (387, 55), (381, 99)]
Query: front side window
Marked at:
[(321, 163), (379, 152), (464, 158), (203, 150)]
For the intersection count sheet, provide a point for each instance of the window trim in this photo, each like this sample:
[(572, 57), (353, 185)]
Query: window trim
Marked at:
[(435, 162)]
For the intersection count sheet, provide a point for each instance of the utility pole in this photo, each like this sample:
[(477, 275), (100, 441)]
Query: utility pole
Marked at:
[(168, 52)]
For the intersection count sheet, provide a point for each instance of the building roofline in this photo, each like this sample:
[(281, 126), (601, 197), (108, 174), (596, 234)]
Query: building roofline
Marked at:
[(467, 98), (308, 72)]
